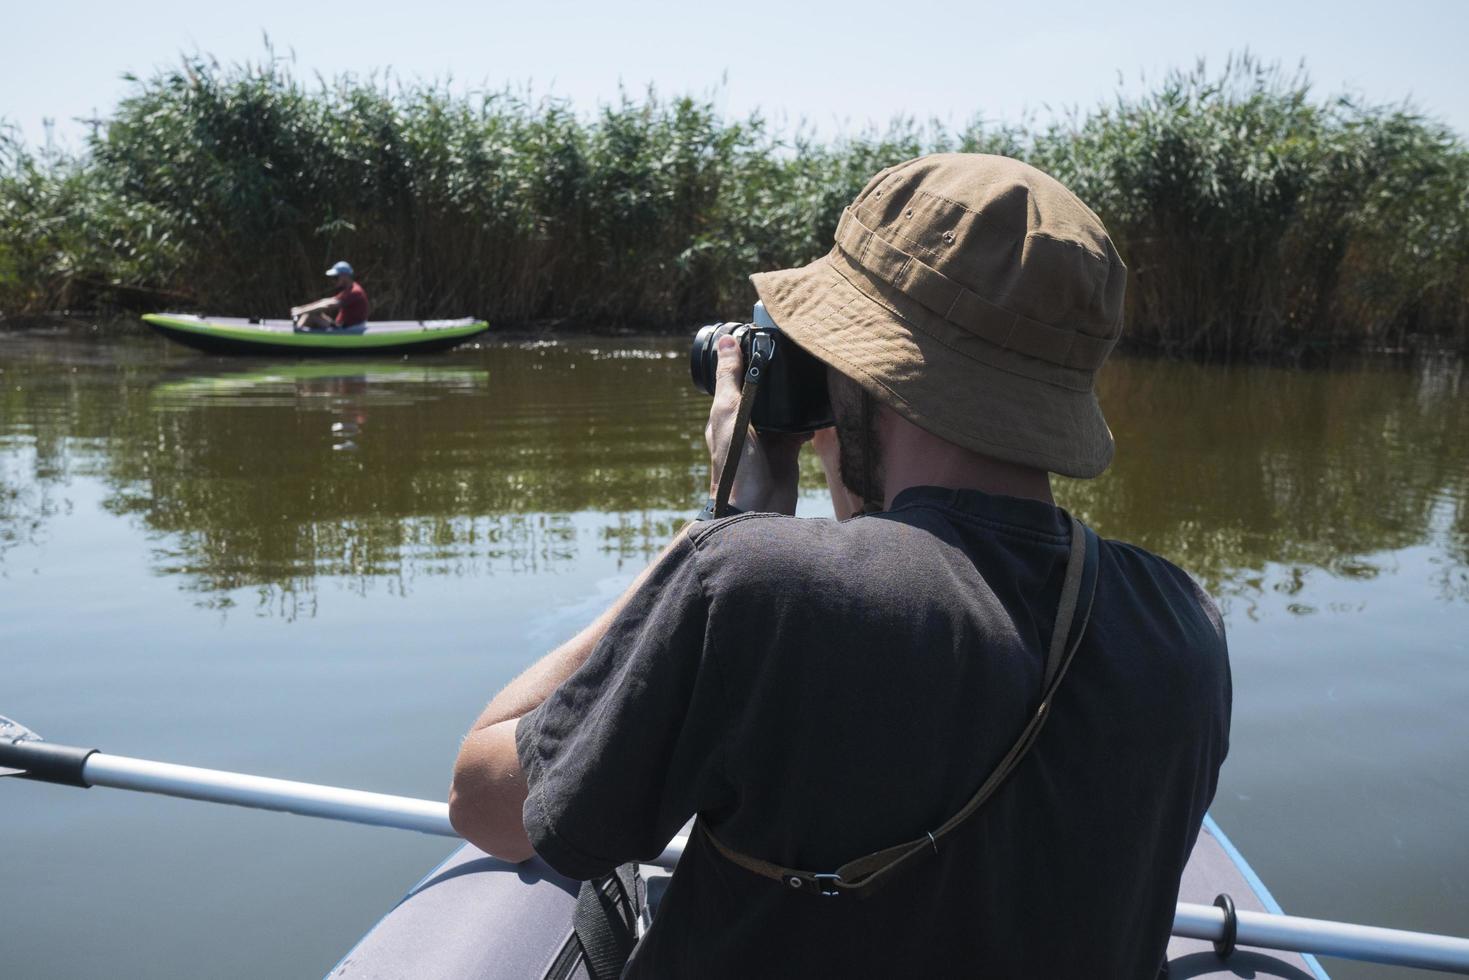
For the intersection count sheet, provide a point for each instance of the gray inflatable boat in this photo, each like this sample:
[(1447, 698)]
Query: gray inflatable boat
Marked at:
[(477, 917)]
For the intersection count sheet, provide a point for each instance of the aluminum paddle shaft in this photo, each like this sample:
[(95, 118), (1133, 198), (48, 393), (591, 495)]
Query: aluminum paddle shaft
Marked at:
[(1371, 943), (264, 793), (285, 795), (48, 762)]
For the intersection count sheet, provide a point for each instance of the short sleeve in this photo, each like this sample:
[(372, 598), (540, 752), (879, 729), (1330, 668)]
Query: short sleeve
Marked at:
[(628, 748)]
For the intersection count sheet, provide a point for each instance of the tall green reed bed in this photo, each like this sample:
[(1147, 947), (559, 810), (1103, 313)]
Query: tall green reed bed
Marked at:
[(1253, 216)]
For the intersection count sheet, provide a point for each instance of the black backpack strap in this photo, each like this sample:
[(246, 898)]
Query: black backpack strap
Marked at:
[(605, 926), (858, 877)]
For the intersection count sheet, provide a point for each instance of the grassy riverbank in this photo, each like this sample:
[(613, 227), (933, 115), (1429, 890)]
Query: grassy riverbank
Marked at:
[(1255, 217)]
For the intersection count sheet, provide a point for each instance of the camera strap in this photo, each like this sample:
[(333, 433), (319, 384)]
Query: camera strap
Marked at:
[(858, 877), (718, 505)]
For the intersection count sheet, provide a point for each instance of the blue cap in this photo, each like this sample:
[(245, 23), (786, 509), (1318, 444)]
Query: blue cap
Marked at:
[(340, 269)]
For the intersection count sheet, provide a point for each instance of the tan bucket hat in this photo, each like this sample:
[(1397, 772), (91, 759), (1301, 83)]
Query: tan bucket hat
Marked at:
[(975, 295)]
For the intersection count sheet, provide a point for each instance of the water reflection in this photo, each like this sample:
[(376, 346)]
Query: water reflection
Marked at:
[(1257, 477), (513, 458), (270, 477)]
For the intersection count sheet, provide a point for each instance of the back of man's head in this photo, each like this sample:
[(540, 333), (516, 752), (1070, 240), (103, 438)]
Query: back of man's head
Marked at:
[(975, 296)]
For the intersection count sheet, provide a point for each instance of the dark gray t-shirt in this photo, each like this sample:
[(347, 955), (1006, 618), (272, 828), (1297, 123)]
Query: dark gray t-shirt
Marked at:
[(819, 690)]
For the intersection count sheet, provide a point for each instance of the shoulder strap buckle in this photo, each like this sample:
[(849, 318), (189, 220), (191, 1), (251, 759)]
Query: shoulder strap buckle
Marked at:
[(825, 885)]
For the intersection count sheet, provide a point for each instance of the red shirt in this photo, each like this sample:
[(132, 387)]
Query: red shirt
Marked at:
[(353, 306)]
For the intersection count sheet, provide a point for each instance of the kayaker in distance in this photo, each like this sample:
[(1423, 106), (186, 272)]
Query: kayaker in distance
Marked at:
[(345, 308), (834, 699)]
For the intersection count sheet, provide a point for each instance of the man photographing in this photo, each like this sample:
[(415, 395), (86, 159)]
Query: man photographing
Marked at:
[(347, 307), (853, 709)]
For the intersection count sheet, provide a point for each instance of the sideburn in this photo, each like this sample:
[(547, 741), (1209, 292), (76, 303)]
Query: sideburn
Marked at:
[(859, 442)]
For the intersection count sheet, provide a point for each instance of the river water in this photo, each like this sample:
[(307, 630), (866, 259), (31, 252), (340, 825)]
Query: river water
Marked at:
[(321, 571)]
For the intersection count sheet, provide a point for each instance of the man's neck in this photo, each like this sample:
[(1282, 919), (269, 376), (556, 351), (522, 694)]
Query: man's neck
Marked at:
[(914, 457)]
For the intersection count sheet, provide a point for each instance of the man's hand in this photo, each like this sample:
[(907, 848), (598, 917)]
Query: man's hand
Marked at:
[(766, 478)]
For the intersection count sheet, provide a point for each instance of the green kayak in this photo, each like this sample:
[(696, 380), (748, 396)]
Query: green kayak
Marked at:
[(238, 335)]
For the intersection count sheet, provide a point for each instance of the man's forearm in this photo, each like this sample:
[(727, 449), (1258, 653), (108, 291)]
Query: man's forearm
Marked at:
[(328, 305), (538, 681), (489, 789)]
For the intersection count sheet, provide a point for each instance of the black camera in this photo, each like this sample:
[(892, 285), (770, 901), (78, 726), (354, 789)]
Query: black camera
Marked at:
[(792, 395)]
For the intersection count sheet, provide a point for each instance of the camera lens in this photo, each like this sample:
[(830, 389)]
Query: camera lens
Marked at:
[(703, 358), (793, 395)]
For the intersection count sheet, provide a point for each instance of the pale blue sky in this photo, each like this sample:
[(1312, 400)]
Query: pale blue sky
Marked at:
[(833, 65)]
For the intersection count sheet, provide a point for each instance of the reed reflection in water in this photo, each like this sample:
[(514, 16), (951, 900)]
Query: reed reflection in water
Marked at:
[(1257, 477), (273, 477)]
